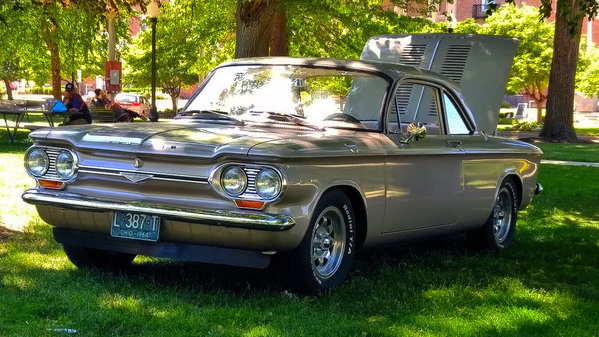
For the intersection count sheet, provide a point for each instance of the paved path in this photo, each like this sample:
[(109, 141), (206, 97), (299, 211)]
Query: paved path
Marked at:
[(572, 163)]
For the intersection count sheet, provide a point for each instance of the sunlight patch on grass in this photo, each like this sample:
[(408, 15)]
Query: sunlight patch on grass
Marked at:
[(261, 331), (14, 213), (504, 306), (117, 301), (20, 282), (57, 261)]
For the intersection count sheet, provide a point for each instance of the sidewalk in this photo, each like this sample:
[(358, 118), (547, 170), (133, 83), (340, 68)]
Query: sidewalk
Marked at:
[(532, 135), (571, 163)]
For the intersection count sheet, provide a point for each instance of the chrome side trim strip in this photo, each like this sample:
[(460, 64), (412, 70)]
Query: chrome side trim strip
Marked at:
[(239, 219)]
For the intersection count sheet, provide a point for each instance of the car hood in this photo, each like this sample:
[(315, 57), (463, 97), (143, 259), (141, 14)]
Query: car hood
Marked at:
[(202, 140)]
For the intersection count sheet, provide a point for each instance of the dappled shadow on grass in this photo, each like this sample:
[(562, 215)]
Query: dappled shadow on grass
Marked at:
[(438, 287), (19, 145)]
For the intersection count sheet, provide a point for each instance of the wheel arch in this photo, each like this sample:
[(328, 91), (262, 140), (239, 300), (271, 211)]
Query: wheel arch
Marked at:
[(517, 180), (359, 207)]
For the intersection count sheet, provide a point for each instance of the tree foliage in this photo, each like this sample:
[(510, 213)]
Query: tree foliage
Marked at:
[(532, 62), (188, 44), (65, 35), (341, 28), (559, 121), (334, 28)]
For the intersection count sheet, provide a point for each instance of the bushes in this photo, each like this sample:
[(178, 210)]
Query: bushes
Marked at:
[(40, 90), (528, 126), (505, 120)]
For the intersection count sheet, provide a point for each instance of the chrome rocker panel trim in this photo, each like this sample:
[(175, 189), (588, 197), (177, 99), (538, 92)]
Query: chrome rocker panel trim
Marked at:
[(239, 219)]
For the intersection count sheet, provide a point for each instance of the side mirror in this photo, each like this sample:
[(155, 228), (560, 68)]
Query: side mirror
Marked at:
[(415, 132)]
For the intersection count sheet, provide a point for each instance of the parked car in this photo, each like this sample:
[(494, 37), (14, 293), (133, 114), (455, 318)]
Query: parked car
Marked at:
[(134, 102), (302, 158)]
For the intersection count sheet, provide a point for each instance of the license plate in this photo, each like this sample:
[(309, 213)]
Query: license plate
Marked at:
[(138, 226)]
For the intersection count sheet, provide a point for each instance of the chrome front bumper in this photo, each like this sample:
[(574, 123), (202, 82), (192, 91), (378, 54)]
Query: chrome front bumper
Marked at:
[(241, 219)]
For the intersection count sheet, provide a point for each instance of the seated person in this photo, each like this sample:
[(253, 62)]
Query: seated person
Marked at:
[(102, 99), (77, 110), (94, 99)]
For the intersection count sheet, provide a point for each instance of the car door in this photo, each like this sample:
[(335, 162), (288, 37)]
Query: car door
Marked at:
[(423, 177)]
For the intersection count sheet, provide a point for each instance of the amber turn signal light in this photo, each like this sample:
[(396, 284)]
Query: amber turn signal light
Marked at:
[(56, 185), (249, 204)]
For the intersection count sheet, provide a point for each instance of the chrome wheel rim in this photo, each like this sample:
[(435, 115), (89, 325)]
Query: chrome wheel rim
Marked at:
[(328, 242), (502, 216)]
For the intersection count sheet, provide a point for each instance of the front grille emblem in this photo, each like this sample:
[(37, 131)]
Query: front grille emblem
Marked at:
[(136, 177), (137, 163)]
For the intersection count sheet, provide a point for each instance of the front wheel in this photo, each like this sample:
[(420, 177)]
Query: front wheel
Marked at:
[(498, 231), (83, 258), (323, 258)]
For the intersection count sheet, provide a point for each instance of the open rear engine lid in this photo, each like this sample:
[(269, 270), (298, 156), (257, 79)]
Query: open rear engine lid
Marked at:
[(480, 64)]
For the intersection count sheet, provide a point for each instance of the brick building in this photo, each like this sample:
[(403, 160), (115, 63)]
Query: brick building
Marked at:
[(476, 9)]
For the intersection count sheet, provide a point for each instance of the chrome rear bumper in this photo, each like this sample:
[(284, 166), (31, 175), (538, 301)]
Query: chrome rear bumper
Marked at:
[(538, 189), (241, 219)]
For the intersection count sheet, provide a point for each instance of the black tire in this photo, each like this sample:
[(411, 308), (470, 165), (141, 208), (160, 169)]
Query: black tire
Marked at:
[(497, 234), (86, 258), (323, 258)]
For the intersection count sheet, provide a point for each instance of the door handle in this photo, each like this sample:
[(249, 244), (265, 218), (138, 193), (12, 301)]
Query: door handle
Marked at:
[(454, 143)]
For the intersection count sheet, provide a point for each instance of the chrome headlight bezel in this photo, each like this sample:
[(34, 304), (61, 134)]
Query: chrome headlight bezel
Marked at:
[(251, 171), (71, 160), (43, 168), (231, 174), (274, 178)]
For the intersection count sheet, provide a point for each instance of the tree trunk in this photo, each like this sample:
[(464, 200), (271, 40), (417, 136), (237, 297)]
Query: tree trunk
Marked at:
[(559, 119), (539, 112), (174, 92), (48, 33), (8, 90), (278, 34), (253, 29)]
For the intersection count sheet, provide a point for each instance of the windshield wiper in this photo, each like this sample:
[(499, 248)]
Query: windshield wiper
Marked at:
[(208, 115), (283, 117)]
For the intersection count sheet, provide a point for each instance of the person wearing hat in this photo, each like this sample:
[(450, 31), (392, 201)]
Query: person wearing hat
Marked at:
[(77, 108)]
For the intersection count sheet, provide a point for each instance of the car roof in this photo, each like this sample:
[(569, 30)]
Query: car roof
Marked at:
[(393, 71)]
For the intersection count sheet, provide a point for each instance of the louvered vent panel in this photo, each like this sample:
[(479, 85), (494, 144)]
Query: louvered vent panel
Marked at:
[(432, 110), (402, 98), (412, 54), (455, 62)]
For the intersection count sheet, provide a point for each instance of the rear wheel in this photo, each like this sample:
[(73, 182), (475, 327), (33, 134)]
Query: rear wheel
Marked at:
[(84, 258), (323, 258), (498, 232)]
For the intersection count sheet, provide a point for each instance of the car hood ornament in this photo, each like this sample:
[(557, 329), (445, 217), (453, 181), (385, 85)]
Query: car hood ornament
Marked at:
[(137, 163)]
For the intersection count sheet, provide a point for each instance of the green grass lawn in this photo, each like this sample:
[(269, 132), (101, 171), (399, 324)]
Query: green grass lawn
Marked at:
[(571, 152), (547, 284)]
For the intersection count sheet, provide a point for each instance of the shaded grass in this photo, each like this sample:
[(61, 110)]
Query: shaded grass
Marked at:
[(547, 284)]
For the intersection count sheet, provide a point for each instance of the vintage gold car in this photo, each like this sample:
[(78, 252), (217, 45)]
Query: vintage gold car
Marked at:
[(308, 159)]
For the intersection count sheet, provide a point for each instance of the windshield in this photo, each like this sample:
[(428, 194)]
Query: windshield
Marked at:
[(321, 96)]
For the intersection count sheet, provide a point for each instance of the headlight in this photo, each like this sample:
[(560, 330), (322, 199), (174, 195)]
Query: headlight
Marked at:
[(36, 162), (268, 184), (234, 180), (65, 165)]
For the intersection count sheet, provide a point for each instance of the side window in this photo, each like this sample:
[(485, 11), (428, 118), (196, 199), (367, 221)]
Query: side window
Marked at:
[(415, 102), (455, 123)]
